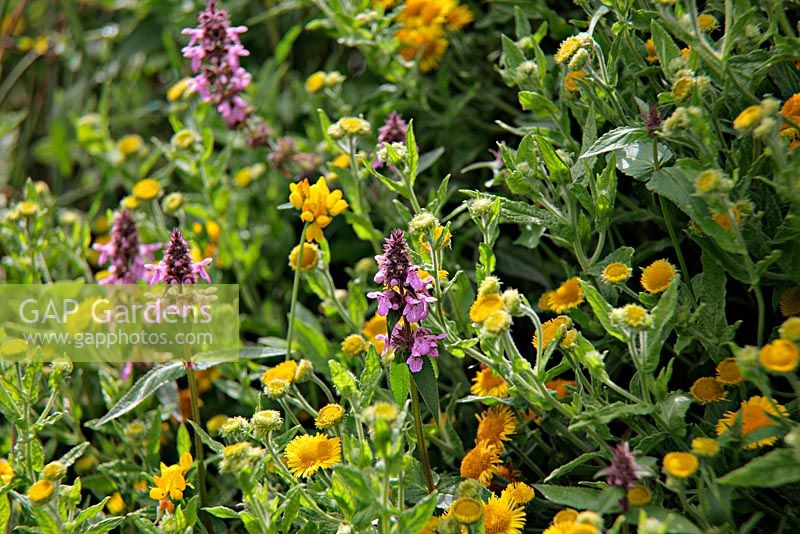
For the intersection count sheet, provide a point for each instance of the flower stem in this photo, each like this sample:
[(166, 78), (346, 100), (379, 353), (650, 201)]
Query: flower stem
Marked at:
[(666, 210), (198, 444), (423, 450), (295, 289)]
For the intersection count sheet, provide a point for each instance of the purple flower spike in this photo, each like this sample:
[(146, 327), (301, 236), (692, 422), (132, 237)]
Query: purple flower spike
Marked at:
[(404, 292), (124, 253), (214, 48), (624, 470), (176, 267), (393, 130)]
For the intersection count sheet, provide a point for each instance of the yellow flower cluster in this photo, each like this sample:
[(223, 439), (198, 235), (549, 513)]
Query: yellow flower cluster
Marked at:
[(172, 483), (492, 310), (569, 521), (423, 27), (317, 204)]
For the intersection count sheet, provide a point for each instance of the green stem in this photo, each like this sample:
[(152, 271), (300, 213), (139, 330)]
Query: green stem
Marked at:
[(198, 443), (666, 211), (295, 289), (423, 450)]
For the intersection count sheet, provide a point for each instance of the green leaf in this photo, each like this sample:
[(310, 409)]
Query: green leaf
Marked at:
[(370, 376), (343, 379), (428, 387), (412, 156), (676, 183), (223, 512), (572, 465), (609, 412), (558, 170), (91, 511), (601, 309), (105, 525), (8, 404), (73, 454), (512, 56), (578, 498), (673, 411), (666, 49), (414, 519), (615, 139), (141, 391), (657, 335), (209, 442), (184, 440), (776, 468), (540, 105), (399, 381)]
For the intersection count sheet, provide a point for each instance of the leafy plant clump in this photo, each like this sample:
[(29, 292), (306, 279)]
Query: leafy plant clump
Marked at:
[(501, 267)]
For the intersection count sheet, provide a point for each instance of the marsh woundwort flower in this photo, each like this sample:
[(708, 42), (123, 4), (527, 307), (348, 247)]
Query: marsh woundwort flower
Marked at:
[(177, 267), (624, 470), (214, 48), (124, 253), (405, 294)]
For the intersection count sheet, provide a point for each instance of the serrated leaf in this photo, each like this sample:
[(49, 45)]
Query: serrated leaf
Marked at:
[(207, 440), (141, 391), (428, 387), (399, 381), (223, 512), (615, 139), (658, 333), (369, 376), (343, 379)]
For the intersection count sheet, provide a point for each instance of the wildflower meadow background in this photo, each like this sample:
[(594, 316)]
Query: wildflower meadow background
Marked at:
[(503, 267)]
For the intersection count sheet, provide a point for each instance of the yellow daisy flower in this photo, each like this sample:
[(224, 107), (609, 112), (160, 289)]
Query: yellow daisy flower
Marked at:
[(748, 118), (315, 82), (481, 463), (487, 384), (650, 46), (329, 415), (374, 327), (680, 464), (6, 471), (550, 330), (41, 491), (146, 189), (496, 425), (755, 414), (705, 446), (310, 256), (707, 390), (779, 356), (467, 510), (307, 454), (519, 492), (503, 516), (569, 80), (484, 306), (615, 273), (639, 495), (728, 372), (282, 371), (568, 295), (657, 276)]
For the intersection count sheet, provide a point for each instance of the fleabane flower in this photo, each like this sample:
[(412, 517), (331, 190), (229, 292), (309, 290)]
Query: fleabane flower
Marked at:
[(214, 49), (306, 454), (177, 267), (318, 205), (124, 253)]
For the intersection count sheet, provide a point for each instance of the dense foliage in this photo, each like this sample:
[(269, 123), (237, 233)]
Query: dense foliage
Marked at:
[(503, 266)]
